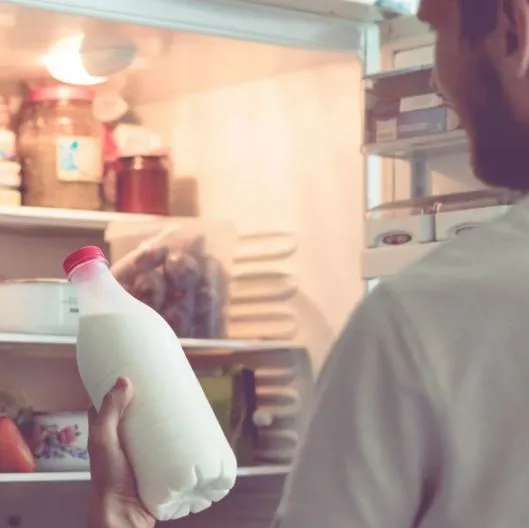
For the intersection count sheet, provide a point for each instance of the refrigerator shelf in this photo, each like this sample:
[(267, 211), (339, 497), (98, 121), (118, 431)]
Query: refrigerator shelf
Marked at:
[(383, 74), (24, 217), (424, 146), (45, 343), (84, 476)]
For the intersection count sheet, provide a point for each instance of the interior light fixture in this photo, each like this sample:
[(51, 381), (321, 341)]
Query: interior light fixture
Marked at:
[(64, 62)]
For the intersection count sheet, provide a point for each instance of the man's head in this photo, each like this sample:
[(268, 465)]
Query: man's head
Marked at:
[(482, 69)]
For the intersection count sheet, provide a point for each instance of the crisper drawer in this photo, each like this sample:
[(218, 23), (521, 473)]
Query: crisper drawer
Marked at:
[(283, 384)]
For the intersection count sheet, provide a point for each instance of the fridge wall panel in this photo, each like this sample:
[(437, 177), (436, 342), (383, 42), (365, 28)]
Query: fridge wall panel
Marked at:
[(283, 154)]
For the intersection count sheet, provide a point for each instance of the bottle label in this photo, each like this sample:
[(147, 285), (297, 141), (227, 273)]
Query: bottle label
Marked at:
[(79, 159)]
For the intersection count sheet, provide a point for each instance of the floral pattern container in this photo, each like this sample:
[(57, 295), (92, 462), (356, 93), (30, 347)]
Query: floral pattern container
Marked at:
[(61, 441)]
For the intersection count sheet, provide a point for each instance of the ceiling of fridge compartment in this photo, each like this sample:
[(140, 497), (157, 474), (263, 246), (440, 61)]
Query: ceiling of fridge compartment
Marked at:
[(144, 63), (241, 19)]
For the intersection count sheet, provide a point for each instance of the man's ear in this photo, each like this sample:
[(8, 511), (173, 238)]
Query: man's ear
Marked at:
[(514, 21)]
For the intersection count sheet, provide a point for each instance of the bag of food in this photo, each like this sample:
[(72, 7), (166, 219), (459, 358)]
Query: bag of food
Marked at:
[(180, 268)]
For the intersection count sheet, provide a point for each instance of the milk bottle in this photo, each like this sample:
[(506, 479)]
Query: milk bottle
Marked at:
[(179, 454)]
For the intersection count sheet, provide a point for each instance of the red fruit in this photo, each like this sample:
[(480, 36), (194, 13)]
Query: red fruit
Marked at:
[(15, 455)]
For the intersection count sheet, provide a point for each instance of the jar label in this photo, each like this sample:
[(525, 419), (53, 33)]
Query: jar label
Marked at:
[(7, 144), (79, 159)]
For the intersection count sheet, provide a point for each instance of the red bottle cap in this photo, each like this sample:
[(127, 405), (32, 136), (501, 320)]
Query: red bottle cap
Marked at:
[(82, 256)]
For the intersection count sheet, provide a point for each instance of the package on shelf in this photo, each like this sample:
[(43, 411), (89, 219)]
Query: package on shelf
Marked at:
[(398, 6), (179, 267), (401, 222), (404, 105), (277, 389), (232, 395), (459, 212)]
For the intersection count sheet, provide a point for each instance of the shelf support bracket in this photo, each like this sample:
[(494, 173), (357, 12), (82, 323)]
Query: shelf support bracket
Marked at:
[(419, 177)]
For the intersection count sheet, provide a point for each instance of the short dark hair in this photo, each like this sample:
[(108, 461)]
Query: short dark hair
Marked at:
[(478, 18)]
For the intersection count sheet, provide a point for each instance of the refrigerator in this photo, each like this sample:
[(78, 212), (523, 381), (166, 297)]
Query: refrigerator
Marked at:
[(261, 103)]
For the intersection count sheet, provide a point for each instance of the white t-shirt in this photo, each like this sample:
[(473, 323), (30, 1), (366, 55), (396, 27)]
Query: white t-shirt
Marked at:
[(421, 415)]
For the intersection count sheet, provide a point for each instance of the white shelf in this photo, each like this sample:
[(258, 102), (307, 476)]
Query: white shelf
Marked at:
[(427, 146), (397, 72), (71, 219), (79, 476), (263, 471), (12, 340), (387, 261), (84, 476)]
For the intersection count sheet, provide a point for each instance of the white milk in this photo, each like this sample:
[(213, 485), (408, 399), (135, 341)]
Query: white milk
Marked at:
[(181, 459)]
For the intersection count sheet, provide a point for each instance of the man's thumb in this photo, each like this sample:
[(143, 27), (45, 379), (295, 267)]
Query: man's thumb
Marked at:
[(114, 404)]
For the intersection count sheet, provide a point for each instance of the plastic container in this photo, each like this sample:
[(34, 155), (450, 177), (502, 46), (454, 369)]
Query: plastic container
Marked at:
[(143, 185), (401, 222), (180, 456), (460, 212), (180, 268), (61, 148), (60, 441)]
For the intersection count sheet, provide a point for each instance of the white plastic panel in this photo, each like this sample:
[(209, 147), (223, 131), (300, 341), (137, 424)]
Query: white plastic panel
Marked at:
[(229, 18)]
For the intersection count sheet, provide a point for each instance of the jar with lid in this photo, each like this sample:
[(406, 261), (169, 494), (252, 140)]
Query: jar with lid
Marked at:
[(61, 148), (9, 167), (143, 184)]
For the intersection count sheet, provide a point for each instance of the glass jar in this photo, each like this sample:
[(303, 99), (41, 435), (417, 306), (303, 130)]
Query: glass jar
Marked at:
[(143, 185), (60, 146)]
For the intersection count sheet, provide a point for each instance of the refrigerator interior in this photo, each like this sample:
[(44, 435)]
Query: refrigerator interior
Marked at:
[(416, 162), (272, 135), (448, 172)]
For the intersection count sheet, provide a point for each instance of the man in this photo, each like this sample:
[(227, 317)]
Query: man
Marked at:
[(421, 416)]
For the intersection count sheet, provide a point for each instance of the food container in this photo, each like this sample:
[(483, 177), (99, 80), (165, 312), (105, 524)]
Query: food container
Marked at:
[(38, 306), (459, 212), (10, 183), (181, 268), (401, 222), (61, 148), (10, 197), (143, 185), (231, 394), (10, 174), (59, 441), (403, 106), (7, 134)]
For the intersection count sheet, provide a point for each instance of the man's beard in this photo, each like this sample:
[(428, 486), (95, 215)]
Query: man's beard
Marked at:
[(499, 141)]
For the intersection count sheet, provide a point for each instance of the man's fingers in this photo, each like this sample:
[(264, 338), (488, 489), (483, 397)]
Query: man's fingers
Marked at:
[(104, 424)]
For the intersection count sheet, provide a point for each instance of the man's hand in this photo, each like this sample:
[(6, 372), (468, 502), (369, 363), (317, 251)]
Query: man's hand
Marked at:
[(114, 502)]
